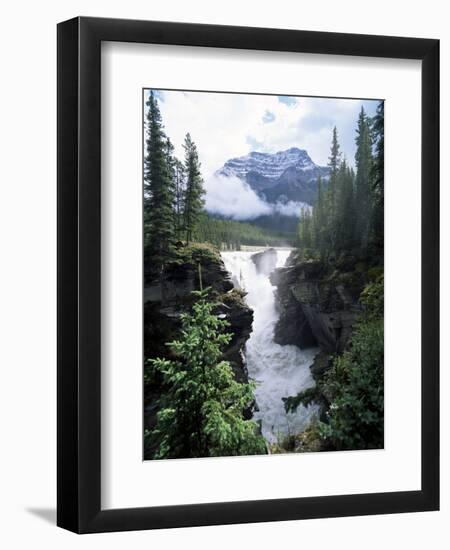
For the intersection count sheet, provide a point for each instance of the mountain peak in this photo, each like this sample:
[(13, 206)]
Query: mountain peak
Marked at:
[(294, 150), (290, 173), (268, 165)]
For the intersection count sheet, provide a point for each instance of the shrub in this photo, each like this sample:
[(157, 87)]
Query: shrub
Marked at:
[(201, 409)]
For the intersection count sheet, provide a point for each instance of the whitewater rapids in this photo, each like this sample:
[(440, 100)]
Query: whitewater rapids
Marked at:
[(279, 371)]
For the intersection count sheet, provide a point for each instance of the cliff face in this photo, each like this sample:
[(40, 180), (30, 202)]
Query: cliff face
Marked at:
[(318, 302), (166, 298)]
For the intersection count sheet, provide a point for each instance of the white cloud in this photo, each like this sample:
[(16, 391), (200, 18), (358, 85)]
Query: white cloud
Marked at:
[(290, 208), (225, 125), (233, 198)]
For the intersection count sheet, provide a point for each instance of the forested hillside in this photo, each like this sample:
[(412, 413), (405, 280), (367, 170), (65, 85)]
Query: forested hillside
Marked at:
[(231, 234), (348, 215)]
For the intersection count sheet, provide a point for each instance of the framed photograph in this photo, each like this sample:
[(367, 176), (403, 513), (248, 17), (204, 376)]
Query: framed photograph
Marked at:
[(248, 259)]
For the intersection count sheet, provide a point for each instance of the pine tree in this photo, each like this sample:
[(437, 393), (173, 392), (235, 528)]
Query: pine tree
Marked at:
[(344, 208), (363, 189), (201, 411), (349, 213), (180, 192), (158, 189), (340, 199), (333, 163), (193, 204), (378, 177), (319, 219), (349, 210), (306, 230)]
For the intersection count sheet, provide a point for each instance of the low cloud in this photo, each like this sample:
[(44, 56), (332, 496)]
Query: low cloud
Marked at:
[(226, 126), (291, 208), (233, 198)]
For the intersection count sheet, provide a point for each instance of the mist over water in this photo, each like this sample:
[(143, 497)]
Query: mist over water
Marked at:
[(279, 371)]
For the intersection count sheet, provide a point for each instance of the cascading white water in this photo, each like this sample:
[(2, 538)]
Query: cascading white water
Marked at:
[(279, 371)]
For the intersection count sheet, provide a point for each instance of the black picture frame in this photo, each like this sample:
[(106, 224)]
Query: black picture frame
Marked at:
[(79, 281)]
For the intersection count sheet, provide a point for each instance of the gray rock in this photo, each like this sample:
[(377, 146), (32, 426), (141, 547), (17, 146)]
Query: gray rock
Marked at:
[(167, 298), (265, 261), (316, 309)]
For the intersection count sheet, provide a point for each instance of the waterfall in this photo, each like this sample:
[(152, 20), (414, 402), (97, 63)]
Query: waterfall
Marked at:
[(279, 371)]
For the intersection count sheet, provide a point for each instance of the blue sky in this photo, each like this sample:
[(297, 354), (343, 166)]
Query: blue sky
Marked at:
[(230, 125)]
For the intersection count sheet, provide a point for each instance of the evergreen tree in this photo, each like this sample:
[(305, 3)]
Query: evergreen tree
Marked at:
[(363, 188), (180, 192), (229, 234), (306, 230), (354, 383), (158, 189), (170, 161), (344, 208), (319, 218), (349, 210), (331, 196), (193, 204), (335, 156), (333, 163), (378, 177), (201, 411), (342, 214)]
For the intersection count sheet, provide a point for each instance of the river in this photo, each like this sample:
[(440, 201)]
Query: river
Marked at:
[(279, 371)]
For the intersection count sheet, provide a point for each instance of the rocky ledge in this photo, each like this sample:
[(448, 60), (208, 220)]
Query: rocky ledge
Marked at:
[(167, 297), (318, 303)]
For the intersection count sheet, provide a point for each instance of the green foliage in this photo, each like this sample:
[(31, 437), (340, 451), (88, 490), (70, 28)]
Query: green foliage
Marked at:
[(193, 201), (352, 389), (158, 189), (306, 229), (319, 221), (344, 222), (308, 441), (201, 410), (179, 175), (372, 298), (348, 214), (331, 197), (231, 234), (306, 397), (197, 253), (363, 181), (173, 192), (354, 385), (378, 177)]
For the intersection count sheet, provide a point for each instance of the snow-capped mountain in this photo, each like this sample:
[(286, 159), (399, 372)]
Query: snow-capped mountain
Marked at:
[(284, 176)]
